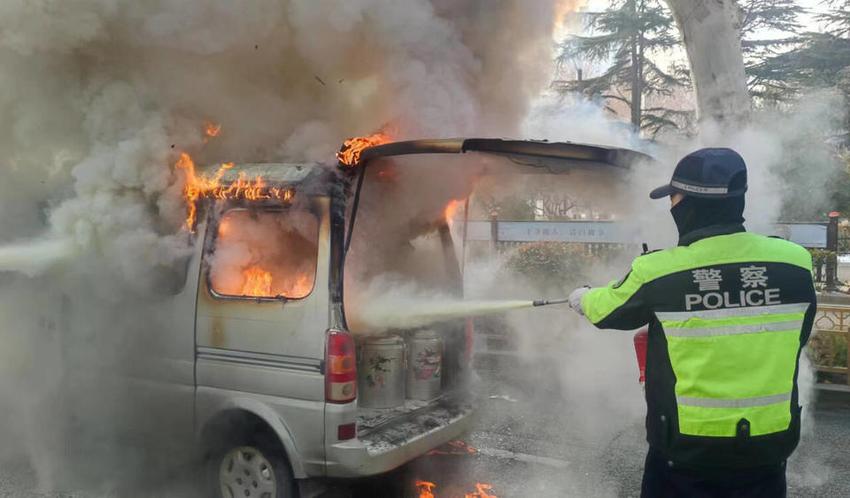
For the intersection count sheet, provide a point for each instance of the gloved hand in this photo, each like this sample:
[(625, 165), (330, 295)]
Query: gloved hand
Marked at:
[(575, 299)]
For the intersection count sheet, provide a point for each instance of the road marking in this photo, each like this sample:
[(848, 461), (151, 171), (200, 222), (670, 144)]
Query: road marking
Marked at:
[(523, 457)]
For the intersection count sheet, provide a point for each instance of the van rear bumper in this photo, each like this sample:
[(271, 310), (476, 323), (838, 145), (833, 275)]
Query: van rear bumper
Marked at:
[(399, 440)]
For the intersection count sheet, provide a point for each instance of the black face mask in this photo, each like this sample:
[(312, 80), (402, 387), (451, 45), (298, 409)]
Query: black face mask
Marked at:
[(694, 213)]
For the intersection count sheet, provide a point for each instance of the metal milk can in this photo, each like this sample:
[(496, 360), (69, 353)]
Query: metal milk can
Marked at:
[(381, 372), (424, 365)]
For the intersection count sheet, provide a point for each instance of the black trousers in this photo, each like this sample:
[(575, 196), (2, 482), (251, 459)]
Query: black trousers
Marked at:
[(660, 480)]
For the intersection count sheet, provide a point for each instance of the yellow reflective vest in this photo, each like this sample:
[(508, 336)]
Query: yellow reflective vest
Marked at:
[(728, 315)]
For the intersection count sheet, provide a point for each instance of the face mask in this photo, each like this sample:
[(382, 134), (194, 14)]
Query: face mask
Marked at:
[(683, 215), (693, 213)]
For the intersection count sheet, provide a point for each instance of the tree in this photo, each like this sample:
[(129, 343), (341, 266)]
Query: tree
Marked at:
[(767, 83), (712, 37), (819, 59), (628, 36)]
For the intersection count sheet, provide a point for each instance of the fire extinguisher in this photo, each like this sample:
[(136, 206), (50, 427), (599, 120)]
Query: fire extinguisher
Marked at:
[(641, 338)]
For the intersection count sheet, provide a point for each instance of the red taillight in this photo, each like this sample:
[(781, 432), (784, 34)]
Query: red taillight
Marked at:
[(346, 431), (341, 368)]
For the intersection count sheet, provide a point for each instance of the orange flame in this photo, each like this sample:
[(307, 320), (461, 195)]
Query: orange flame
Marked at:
[(349, 153), (212, 130), (452, 208), (301, 287), (200, 187), (258, 282), (481, 491), (425, 489)]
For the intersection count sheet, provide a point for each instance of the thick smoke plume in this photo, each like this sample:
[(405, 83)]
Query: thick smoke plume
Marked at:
[(100, 96)]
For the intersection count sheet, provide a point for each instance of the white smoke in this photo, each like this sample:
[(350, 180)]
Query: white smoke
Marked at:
[(102, 93), (100, 96)]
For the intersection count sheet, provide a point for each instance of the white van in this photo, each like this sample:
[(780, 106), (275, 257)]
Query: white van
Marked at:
[(266, 377)]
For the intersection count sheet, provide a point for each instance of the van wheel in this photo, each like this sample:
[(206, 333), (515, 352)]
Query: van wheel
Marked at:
[(250, 470)]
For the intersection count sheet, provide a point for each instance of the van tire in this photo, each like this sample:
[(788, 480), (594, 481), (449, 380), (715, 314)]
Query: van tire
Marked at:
[(256, 464)]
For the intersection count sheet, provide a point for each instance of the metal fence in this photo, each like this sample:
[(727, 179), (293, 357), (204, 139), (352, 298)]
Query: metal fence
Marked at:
[(830, 343)]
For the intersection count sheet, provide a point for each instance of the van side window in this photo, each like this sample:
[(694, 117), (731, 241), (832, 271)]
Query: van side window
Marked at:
[(265, 254)]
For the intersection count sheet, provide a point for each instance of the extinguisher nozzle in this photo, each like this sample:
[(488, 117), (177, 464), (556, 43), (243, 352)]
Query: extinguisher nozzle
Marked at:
[(547, 302)]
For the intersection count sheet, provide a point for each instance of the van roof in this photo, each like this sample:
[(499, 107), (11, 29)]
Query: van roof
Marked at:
[(551, 157), (272, 173)]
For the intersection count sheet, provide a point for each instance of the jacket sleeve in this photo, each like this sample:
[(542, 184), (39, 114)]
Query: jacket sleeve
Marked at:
[(619, 305)]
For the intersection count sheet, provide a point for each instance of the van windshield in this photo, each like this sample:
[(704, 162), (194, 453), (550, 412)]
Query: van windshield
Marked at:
[(266, 254)]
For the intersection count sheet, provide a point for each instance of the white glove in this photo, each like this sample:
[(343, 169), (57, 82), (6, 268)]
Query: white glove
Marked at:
[(575, 299)]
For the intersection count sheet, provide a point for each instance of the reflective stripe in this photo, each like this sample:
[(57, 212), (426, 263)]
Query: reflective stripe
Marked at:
[(698, 189), (793, 325), (680, 316), (733, 403)]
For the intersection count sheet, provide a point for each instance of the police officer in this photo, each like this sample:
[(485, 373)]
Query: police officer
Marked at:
[(728, 313)]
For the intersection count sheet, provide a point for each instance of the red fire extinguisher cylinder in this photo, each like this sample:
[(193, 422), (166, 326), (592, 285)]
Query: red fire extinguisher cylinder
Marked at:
[(641, 338)]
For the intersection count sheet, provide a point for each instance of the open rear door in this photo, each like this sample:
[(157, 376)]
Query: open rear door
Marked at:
[(550, 157)]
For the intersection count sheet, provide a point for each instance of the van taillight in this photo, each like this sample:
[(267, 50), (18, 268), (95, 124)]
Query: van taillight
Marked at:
[(341, 373)]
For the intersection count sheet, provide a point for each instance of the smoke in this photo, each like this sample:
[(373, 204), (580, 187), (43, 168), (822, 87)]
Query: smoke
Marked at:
[(100, 96), (789, 157), (265, 254), (388, 304), (102, 93)]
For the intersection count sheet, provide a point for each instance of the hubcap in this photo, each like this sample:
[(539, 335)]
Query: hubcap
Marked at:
[(245, 472)]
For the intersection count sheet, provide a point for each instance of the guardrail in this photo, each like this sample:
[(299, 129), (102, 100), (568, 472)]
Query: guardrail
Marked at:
[(830, 341)]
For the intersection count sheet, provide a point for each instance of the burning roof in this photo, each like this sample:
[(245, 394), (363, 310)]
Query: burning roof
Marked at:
[(273, 181), (248, 181), (351, 150)]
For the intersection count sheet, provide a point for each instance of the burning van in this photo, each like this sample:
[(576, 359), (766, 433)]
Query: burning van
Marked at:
[(281, 378)]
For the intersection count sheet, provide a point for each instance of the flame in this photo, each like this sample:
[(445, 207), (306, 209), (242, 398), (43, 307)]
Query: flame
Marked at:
[(258, 282), (302, 286), (481, 491), (199, 187), (349, 153), (425, 489), (452, 208), (212, 130)]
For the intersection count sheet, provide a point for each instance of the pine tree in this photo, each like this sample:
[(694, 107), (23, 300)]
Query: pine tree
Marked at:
[(819, 59), (769, 83), (628, 37)]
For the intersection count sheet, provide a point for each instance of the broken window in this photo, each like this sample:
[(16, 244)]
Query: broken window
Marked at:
[(266, 254)]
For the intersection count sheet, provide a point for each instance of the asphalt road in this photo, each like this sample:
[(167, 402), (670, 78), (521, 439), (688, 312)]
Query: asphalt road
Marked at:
[(528, 443), (536, 438)]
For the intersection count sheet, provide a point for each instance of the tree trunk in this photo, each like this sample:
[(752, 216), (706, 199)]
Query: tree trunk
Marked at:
[(637, 77), (711, 32)]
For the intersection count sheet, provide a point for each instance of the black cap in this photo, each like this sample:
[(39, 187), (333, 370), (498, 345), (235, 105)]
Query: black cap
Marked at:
[(711, 173)]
